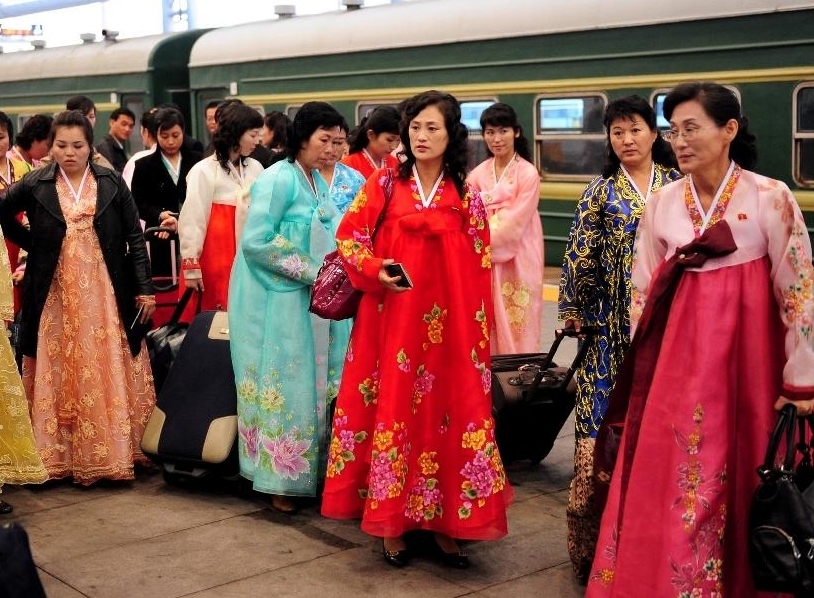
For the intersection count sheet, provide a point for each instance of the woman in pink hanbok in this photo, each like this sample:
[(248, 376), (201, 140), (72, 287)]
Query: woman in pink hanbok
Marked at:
[(722, 308), (509, 185)]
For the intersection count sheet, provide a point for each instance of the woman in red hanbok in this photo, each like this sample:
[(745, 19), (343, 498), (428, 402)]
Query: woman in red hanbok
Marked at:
[(731, 345), (373, 141), (413, 443)]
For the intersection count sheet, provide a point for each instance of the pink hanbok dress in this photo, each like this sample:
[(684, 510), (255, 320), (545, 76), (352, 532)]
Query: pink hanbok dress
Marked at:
[(737, 336), (517, 253)]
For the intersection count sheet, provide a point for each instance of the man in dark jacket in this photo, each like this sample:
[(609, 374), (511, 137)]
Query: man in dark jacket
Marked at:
[(122, 121)]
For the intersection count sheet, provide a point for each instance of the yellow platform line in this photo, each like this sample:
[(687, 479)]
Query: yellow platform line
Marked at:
[(550, 292)]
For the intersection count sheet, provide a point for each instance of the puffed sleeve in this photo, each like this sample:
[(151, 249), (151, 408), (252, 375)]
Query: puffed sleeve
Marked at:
[(274, 258), (649, 252), (789, 249), (194, 216), (579, 280)]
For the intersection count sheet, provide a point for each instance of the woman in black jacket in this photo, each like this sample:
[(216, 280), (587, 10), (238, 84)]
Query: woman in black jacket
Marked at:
[(160, 182), (87, 287)]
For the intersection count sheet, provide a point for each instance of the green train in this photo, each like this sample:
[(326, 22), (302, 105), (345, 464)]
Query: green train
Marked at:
[(557, 62)]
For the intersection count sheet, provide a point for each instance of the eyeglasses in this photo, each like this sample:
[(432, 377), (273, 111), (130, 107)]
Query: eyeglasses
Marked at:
[(687, 134)]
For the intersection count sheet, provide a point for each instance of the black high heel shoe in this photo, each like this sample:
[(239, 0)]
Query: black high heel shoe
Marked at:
[(456, 560), (396, 558), (5, 508)]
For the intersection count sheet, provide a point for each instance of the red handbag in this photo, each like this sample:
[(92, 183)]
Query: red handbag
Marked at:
[(333, 297)]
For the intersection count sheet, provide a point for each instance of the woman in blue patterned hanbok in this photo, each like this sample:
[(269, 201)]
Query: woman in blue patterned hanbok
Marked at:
[(595, 288), (287, 362), (343, 181)]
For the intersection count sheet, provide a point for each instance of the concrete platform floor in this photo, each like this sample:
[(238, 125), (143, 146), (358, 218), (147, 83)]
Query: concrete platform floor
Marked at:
[(150, 539)]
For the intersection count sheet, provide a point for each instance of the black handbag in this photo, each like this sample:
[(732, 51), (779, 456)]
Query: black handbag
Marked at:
[(781, 519), (18, 574), (163, 342)]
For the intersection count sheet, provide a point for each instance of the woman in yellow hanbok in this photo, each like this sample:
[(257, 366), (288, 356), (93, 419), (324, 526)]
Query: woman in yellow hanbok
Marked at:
[(20, 463)]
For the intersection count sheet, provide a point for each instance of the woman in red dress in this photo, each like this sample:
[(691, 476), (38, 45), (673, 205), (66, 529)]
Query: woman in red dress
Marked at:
[(413, 443), (373, 141)]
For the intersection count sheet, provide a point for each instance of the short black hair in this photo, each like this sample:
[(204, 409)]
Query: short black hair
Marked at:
[(122, 111), (82, 103), (36, 128)]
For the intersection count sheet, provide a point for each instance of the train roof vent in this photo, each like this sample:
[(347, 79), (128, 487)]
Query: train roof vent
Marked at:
[(110, 35), (38, 44), (87, 38), (353, 4), (285, 11)]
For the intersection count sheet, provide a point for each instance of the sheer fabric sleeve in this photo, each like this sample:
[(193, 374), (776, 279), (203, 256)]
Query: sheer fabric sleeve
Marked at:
[(649, 252), (789, 250)]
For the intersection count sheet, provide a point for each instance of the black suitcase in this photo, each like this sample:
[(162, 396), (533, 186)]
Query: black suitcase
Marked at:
[(532, 398), (18, 574), (192, 431)]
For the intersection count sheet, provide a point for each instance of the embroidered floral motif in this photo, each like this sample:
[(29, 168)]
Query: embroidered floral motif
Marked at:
[(477, 221), (517, 298), (388, 467), (424, 501), (403, 361), (358, 202), (798, 296), (422, 386), (480, 316), (369, 387), (483, 474), (343, 444), (435, 326), (485, 373), (284, 256), (702, 576), (435, 198), (720, 207)]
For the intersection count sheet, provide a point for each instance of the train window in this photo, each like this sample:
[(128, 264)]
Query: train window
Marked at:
[(470, 116), (657, 101), (804, 135), (365, 108), (569, 136)]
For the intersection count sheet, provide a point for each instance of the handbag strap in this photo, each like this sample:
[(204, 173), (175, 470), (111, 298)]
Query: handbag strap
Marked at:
[(388, 195), (182, 305), (785, 423)]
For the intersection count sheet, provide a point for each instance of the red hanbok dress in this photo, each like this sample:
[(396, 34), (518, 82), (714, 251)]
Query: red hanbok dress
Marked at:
[(737, 336), (413, 443), (362, 162)]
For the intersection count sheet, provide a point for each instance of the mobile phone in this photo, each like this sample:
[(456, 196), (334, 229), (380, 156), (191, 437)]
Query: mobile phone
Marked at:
[(136, 319), (397, 269)]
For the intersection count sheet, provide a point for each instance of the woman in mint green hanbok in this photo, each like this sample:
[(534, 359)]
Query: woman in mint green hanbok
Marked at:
[(287, 362)]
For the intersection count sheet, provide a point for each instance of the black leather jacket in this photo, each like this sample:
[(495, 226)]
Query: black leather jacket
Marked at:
[(117, 226)]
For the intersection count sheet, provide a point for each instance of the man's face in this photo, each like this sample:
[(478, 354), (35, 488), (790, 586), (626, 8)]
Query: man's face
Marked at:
[(121, 128), (211, 123)]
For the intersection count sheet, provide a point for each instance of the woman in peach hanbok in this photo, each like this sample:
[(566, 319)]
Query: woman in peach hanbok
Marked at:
[(87, 293), (509, 185)]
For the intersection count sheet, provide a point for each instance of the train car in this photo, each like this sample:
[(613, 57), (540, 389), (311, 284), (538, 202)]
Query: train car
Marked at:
[(138, 73), (558, 63)]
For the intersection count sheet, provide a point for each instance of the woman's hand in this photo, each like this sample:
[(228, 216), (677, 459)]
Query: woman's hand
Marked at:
[(805, 407), (167, 219), (145, 303), (574, 323), (389, 282), (194, 283)]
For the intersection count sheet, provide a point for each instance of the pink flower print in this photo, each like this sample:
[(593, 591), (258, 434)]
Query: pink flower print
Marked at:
[(423, 383), (286, 454), (250, 436), (382, 477), (293, 266), (486, 379)]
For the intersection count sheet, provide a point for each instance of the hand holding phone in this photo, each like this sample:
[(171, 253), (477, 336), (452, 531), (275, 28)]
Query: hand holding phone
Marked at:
[(397, 269)]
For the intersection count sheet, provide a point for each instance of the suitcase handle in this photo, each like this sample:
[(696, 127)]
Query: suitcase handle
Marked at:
[(560, 334)]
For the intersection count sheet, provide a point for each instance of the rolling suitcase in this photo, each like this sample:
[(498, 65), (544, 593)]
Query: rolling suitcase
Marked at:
[(192, 431), (164, 263), (532, 398)]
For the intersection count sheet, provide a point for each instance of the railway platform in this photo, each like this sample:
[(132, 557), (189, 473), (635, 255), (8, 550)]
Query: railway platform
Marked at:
[(150, 539)]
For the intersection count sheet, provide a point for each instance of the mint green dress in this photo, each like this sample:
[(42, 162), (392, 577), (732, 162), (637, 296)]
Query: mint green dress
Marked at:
[(287, 362)]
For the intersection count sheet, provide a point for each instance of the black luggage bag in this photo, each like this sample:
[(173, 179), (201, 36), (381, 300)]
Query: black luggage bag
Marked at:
[(532, 398), (18, 574), (192, 431)]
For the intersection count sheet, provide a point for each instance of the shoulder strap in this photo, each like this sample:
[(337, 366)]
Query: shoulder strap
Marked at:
[(387, 187)]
